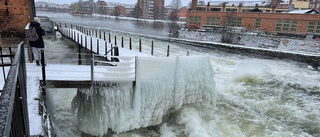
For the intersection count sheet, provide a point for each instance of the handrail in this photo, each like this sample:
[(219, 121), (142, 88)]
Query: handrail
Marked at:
[(124, 70), (13, 100)]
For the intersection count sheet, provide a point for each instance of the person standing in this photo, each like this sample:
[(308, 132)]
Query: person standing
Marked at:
[(37, 44)]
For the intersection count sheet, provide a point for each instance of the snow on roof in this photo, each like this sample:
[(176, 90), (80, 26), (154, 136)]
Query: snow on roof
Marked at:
[(244, 2), (310, 11)]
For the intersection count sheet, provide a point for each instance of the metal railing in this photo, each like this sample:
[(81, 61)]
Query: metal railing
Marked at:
[(13, 100)]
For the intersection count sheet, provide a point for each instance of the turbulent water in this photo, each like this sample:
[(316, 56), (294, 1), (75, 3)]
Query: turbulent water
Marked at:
[(255, 97)]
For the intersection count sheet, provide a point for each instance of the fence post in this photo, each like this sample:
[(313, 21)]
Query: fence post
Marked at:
[(140, 45), (97, 46), (79, 55), (168, 50), (130, 44), (78, 39), (86, 41), (43, 68), (115, 40), (105, 48), (74, 36), (91, 44), (151, 47), (122, 42), (92, 68), (109, 38)]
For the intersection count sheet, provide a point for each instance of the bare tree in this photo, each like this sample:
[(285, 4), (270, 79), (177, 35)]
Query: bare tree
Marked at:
[(156, 13), (137, 11), (173, 16), (190, 4), (176, 4), (228, 34), (117, 11)]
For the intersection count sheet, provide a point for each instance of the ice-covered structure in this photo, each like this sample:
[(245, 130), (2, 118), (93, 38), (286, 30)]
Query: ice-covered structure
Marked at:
[(161, 84)]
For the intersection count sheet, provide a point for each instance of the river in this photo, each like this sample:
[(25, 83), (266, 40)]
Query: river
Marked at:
[(256, 97)]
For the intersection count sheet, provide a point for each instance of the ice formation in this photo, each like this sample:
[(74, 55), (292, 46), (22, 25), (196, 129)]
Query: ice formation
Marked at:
[(161, 84)]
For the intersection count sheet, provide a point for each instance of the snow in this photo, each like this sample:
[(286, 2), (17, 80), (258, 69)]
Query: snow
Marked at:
[(179, 79), (301, 11), (161, 84), (283, 44)]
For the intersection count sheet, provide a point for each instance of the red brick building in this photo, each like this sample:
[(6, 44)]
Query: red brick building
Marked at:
[(14, 16), (183, 12), (153, 9), (269, 22), (120, 10)]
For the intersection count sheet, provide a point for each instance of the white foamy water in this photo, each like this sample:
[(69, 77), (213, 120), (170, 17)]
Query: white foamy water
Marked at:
[(255, 97)]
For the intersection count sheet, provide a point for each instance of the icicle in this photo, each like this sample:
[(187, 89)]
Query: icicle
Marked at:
[(161, 84)]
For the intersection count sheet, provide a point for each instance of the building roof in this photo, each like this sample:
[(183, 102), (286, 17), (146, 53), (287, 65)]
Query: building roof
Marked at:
[(308, 11), (244, 2)]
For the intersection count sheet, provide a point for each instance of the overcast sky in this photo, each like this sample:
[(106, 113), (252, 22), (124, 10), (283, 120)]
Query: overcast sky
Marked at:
[(167, 2)]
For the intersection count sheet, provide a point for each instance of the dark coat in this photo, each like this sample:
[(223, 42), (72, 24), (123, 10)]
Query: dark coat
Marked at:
[(39, 43)]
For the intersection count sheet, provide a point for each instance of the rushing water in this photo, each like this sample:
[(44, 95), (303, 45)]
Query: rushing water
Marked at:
[(257, 97)]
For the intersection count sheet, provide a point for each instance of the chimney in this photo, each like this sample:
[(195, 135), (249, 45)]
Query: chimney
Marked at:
[(194, 4)]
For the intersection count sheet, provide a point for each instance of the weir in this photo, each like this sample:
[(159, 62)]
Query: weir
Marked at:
[(162, 84)]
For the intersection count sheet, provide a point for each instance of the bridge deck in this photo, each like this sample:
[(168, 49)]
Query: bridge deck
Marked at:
[(64, 75)]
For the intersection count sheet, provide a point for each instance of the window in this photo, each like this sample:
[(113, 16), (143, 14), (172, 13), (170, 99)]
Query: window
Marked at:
[(246, 10), (215, 9), (201, 9), (311, 26), (258, 21), (286, 25), (234, 22), (195, 20), (231, 10), (213, 21)]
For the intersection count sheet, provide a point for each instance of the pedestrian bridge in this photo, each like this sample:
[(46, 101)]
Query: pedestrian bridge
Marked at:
[(68, 76)]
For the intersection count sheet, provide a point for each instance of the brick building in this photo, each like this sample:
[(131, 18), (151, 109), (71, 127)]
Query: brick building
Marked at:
[(14, 16), (182, 13), (273, 22), (120, 11), (153, 9), (101, 7)]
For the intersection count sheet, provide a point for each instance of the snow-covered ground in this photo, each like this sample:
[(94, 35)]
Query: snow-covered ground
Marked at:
[(269, 42)]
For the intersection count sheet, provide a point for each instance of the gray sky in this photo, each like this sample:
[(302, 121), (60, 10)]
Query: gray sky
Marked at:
[(167, 2)]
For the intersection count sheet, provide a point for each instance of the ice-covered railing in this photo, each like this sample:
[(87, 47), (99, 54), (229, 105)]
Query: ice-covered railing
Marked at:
[(94, 44), (119, 68), (100, 42), (162, 84)]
